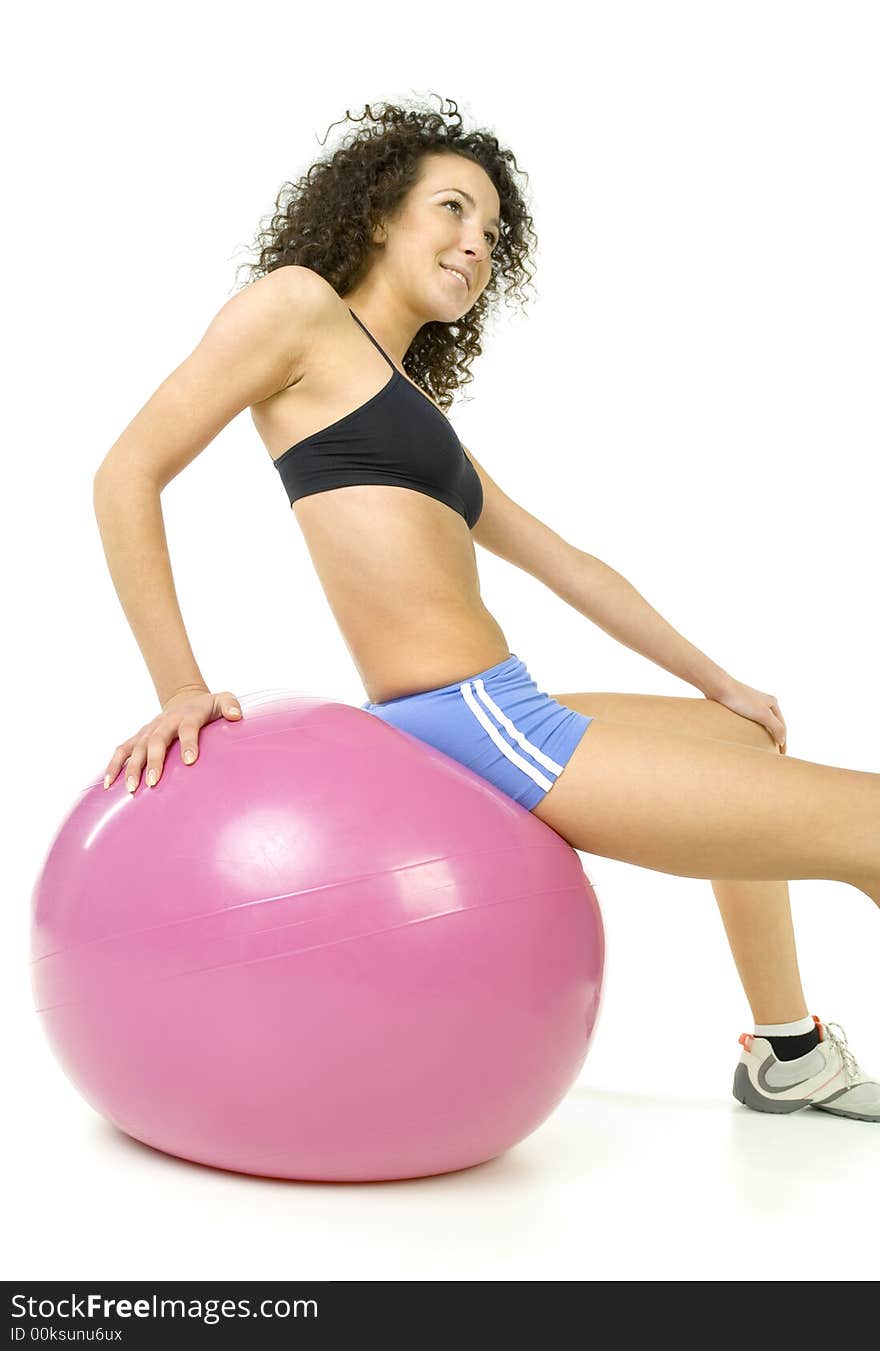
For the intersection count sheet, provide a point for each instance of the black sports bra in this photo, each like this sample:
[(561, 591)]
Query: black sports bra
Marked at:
[(398, 436)]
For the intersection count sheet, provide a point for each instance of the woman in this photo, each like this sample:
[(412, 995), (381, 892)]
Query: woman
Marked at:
[(373, 284)]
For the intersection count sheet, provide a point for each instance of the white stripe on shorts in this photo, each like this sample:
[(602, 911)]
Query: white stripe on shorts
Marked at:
[(513, 731)]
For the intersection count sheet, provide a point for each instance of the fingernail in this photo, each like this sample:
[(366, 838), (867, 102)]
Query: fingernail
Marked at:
[(152, 776), (189, 756), (106, 780), (235, 712), (131, 784)]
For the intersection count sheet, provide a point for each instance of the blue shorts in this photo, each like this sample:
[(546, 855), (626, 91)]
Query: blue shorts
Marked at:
[(497, 723)]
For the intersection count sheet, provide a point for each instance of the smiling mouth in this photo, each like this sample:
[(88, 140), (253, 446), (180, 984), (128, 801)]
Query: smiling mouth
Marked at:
[(456, 275)]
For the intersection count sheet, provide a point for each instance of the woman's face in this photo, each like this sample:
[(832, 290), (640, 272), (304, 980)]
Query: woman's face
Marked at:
[(448, 220)]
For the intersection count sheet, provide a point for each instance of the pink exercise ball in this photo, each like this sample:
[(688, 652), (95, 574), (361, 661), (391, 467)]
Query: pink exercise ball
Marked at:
[(325, 951)]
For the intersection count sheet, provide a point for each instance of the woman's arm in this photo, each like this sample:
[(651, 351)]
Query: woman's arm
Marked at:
[(132, 529), (591, 587), (250, 350)]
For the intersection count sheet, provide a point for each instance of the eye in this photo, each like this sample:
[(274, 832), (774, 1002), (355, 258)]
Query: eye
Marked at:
[(493, 240)]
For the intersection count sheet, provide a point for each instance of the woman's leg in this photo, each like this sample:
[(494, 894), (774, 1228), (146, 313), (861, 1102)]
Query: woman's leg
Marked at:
[(697, 807), (756, 915), (757, 920)]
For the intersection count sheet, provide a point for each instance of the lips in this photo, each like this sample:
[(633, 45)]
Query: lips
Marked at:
[(460, 275)]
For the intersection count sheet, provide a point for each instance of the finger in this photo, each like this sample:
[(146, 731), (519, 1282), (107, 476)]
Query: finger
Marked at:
[(135, 766), (157, 747), (120, 755), (188, 735)]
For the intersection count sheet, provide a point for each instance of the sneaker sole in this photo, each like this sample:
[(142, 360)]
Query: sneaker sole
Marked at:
[(838, 1111), (745, 1092)]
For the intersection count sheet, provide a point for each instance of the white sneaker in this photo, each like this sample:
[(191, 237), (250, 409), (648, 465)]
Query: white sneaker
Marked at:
[(828, 1078)]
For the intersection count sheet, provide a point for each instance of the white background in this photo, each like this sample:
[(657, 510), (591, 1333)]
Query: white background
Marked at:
[(691, 395)]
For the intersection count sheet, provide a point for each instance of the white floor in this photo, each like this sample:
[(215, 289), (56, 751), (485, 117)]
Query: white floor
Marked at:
[(636, 1175), (617, 1185)]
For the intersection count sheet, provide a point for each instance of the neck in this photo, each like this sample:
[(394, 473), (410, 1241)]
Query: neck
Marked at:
[(391, 322)]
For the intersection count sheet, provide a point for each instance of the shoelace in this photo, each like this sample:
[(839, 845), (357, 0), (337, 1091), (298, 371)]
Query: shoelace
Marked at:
[(850, 1064)]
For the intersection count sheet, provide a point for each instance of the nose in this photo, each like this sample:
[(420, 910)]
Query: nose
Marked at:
[(478, 255)]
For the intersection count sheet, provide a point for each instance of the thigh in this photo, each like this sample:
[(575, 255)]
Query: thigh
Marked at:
[(699, 806), (693, 716)]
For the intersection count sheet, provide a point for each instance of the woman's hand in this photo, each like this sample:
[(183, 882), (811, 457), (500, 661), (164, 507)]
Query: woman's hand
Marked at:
[(181, 717), (761, 708)]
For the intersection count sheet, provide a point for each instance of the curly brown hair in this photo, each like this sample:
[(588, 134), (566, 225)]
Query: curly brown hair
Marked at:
[(324, 221)]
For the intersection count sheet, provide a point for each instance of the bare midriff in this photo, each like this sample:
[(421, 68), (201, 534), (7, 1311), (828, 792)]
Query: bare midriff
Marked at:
[(397, 566)]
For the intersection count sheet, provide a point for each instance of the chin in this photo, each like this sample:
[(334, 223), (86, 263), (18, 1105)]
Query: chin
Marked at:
[(454, 310)]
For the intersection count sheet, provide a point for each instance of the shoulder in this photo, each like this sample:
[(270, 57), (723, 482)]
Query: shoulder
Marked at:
[(293, 290), (294, 303), (302, 282)]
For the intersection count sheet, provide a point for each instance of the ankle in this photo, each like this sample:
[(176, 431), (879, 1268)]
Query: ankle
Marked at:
[(791, 1026), (790, 1040)]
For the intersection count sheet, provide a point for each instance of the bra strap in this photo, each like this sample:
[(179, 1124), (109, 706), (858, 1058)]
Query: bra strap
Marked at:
[(372, 339)]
